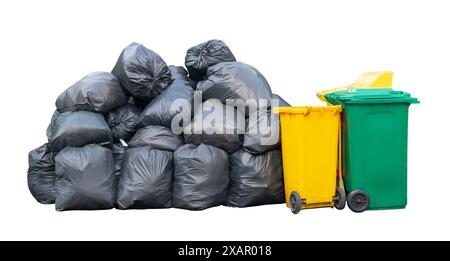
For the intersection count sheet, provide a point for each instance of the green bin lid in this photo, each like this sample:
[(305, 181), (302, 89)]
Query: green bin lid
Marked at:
[(370, 95)]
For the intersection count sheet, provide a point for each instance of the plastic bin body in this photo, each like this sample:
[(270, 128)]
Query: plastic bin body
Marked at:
[(375, 155), (375, 137), (309, 141)]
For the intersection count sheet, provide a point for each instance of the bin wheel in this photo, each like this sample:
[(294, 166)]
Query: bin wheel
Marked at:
[(358, 201), (339, 199), (296, 202)]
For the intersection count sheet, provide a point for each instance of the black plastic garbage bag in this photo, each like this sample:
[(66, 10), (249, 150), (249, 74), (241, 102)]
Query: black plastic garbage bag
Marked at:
[(76, 129), (122, 122), (140, 104), (255, 179), (281, 102), (41, 174), (263, 129), (85, 178), (200, 177), (146, 179), (158, 137), (118, 149), (162, 109), (204, 55), (218, 125), (97, 92), (236, 81), (142, 72), (262, 133)]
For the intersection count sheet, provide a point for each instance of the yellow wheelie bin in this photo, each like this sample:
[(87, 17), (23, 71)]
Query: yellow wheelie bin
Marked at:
[(310, 143)]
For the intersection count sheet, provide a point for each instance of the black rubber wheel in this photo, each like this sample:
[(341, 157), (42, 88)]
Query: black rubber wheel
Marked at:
[(339, 199), (295, 201), (358, 201)]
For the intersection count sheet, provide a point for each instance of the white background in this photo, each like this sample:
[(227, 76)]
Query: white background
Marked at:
[(300, 46)]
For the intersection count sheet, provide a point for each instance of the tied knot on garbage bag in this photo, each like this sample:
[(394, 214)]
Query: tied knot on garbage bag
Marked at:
[(142, 72), (200, 57)]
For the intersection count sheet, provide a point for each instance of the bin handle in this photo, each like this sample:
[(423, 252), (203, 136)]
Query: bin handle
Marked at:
[(307, 111)]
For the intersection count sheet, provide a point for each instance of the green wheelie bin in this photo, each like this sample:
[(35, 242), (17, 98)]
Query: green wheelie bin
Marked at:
[(375, 138)]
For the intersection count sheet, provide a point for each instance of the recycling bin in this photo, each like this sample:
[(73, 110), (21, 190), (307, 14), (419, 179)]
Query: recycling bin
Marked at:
[(310, 146), (375, 138)]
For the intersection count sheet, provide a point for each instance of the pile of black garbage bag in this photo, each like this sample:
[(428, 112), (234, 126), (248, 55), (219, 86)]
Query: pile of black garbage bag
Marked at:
[(114, 140)]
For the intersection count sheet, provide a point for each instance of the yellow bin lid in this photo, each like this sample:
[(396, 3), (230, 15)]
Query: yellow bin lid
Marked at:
[(381, 79), (307, 109)]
